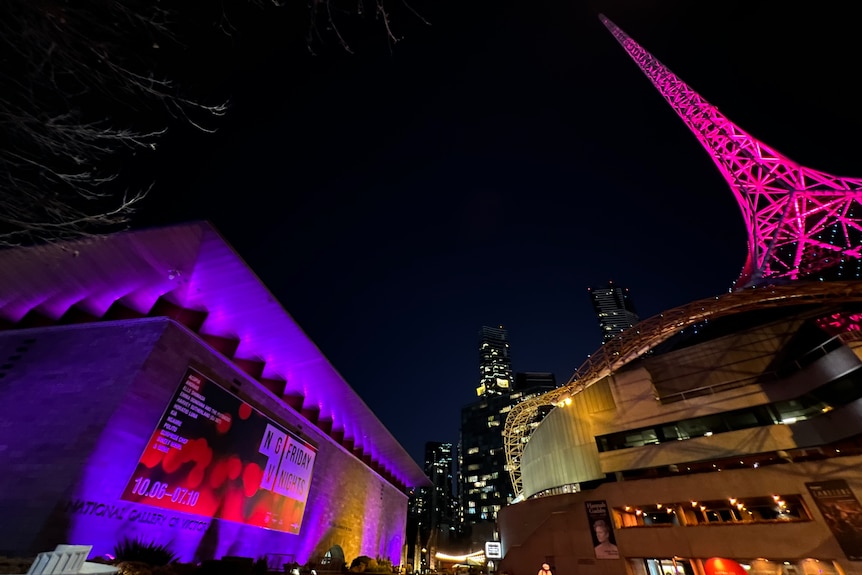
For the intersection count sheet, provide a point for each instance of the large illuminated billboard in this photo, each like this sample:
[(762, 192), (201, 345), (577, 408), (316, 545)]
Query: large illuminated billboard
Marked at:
[(214, 455)]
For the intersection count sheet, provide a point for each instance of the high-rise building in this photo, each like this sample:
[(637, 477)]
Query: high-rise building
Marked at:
[(432, 509), (614, 308), (528, 381), (439, 464), (417, 501), (484, 483), (435, 506), (495, 366)]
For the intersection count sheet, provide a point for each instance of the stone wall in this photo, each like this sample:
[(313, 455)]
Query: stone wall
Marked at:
[(78, 405)]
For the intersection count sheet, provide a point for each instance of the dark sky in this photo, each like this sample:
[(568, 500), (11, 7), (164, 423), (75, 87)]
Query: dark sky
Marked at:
[(494, 165)]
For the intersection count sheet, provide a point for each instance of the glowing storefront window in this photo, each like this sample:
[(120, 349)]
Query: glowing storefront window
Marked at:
[(758, 509)]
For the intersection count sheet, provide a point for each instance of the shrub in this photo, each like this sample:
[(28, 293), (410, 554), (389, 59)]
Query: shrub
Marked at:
[(150, 553), (260, 566), (383, 566), (360, 564)]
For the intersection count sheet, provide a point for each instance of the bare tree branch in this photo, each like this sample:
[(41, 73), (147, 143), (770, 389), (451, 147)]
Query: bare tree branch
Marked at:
[(91, 87)]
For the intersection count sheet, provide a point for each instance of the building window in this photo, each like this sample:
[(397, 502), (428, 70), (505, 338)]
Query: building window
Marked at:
[(760, 509), (668, 566), (832, 395)]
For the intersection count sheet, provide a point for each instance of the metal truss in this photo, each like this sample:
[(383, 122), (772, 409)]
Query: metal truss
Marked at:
[(646, 335), (800, 222)]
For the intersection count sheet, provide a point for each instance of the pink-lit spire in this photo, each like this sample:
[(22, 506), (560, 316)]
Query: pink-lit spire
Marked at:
[(801, 222)]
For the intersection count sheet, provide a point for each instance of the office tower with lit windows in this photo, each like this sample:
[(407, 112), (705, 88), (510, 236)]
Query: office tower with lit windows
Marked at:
[(417, 501), (483, 480), (434, 506), (439, 464), (495, 366), (484, 485), (526, 382), (614, 308)]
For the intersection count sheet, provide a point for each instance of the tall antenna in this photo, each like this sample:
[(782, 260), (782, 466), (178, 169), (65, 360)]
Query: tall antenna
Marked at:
[(801, 223)]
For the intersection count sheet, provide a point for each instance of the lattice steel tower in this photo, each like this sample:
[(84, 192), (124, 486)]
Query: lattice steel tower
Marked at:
[(801, 223)]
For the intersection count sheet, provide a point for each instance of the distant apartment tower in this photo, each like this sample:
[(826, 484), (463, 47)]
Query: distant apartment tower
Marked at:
[(439, 466), (495, 366), (484, 485), (526, 381), (432, 510), (614, 308)]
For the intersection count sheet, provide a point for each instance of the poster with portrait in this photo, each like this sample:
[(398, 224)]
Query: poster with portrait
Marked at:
[(214, 455), (601, 528), (842, 513)]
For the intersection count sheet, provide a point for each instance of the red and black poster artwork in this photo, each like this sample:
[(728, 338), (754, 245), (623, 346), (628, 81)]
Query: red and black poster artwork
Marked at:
[(212, 454), (841, 512)]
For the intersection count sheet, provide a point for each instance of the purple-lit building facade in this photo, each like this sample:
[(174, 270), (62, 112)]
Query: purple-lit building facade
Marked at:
[(151, 387)]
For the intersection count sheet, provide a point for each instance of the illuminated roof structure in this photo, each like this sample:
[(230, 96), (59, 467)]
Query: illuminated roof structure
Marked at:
[(803, 226), (649, 333), (801, 222), (189, 273)]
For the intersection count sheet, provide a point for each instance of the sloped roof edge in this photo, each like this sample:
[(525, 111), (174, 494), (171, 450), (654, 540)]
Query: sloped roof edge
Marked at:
[(193, 266)]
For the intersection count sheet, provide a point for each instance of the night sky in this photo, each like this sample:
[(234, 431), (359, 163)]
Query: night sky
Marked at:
[(493, 165)]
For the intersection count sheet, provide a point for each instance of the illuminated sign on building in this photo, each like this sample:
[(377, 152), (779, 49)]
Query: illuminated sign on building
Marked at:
[(214, 455), (493, 550)]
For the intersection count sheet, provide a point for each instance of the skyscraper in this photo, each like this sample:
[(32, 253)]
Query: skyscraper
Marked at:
[(439, 465), (484, 483), (432, 509), (440, 507), (615, 310), (495, 366)]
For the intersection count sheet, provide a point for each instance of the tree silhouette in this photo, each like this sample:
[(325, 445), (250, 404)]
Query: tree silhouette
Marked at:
[(90, 87)]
